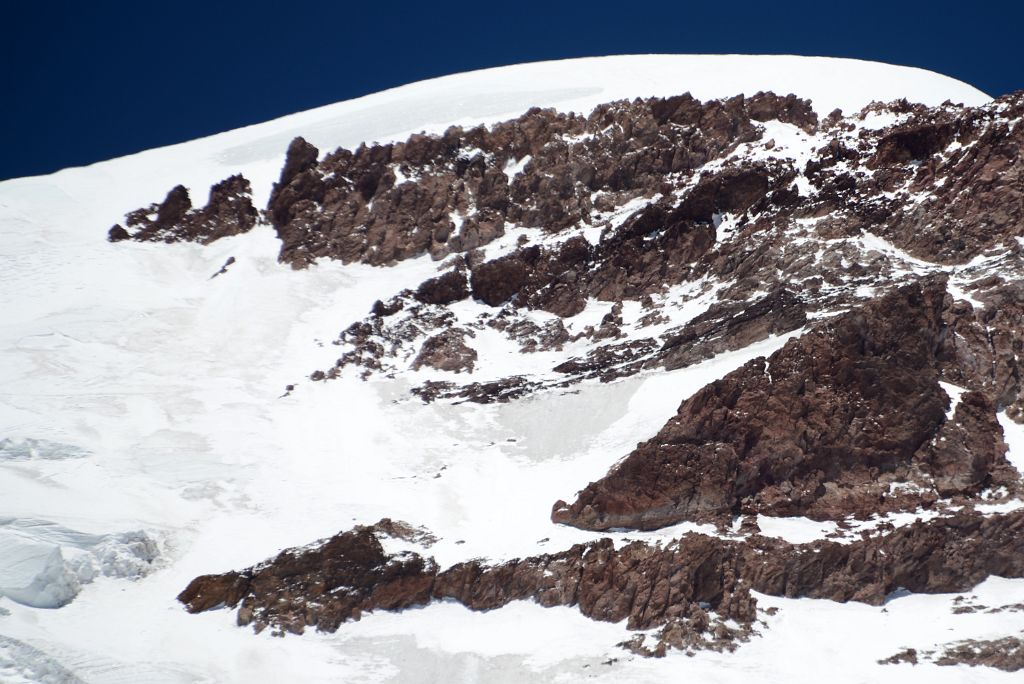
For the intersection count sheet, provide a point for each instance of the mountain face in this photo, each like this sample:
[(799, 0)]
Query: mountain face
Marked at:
[(451, 333)]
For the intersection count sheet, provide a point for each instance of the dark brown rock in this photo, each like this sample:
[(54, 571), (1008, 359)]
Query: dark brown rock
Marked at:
[(787, 109), (1005, 654), (977, 193), (733, 190), (358, 205), (984, 346), (495, 282), (731, 325), (174, 207), (297, 181), (380, 309), (117, 233), (675, 585), (774, 258), (229, 211), (300, 157), (345, 575), (967, 454), (444, 289), (907, 655), (912, 143), (224, 269), (447, 351), (790, 435)]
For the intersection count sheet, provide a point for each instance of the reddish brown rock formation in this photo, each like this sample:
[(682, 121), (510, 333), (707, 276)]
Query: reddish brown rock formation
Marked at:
[(976, 185), (673, 235), (495, 282), (731, 325), (984, 346), (444, 289), (321, 586), (813, 430), (229, 211), (648, 586), (631, 201), (1005, 654), (968, 452), (295, 182), (656, 178), (450, 193), (447, 351)]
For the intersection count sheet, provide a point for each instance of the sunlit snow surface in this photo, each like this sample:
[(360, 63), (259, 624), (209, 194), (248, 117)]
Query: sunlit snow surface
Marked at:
[(144, 439)]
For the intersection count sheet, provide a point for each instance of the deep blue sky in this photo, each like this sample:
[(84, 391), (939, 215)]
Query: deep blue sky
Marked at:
[(86, 81)]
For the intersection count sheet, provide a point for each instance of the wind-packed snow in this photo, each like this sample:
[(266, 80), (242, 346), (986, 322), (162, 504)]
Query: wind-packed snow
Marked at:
[(144, 438), (45, 564), (1013, 435)]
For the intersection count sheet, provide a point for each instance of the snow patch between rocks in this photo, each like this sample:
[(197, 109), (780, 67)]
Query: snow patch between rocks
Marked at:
[(1013, 434)]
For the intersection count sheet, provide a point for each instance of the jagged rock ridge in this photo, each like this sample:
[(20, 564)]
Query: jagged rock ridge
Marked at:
[(229, 211), (825, 427), (677, 585)]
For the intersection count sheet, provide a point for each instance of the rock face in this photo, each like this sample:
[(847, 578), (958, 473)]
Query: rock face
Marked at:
[(981, 194), (650, 236), (968, 452), (446, 351), (778, 245), (642, 201), (444, 289), (729, 326), (454, 193), (820, 428), (986, 340), (229, 211), (646, 585), (347, 574)]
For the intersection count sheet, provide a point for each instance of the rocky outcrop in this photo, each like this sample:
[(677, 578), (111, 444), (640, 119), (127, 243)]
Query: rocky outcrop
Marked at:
[(915, 142), (820, 428), (727, 326), (444, 289), (1005, 654), (639, 198), (969, 163), (747, 224), (653, 235), (297, 180), (496, 282), (321, 586), (452, 193), (967, 453), (229, 211), (985, 343), (676, 585), (446, 351)]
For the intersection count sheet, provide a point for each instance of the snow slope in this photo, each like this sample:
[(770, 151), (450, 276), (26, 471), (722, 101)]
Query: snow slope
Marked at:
[(141, 418)]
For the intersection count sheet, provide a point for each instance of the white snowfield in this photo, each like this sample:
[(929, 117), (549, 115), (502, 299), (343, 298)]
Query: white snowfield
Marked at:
[(144, 439)]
